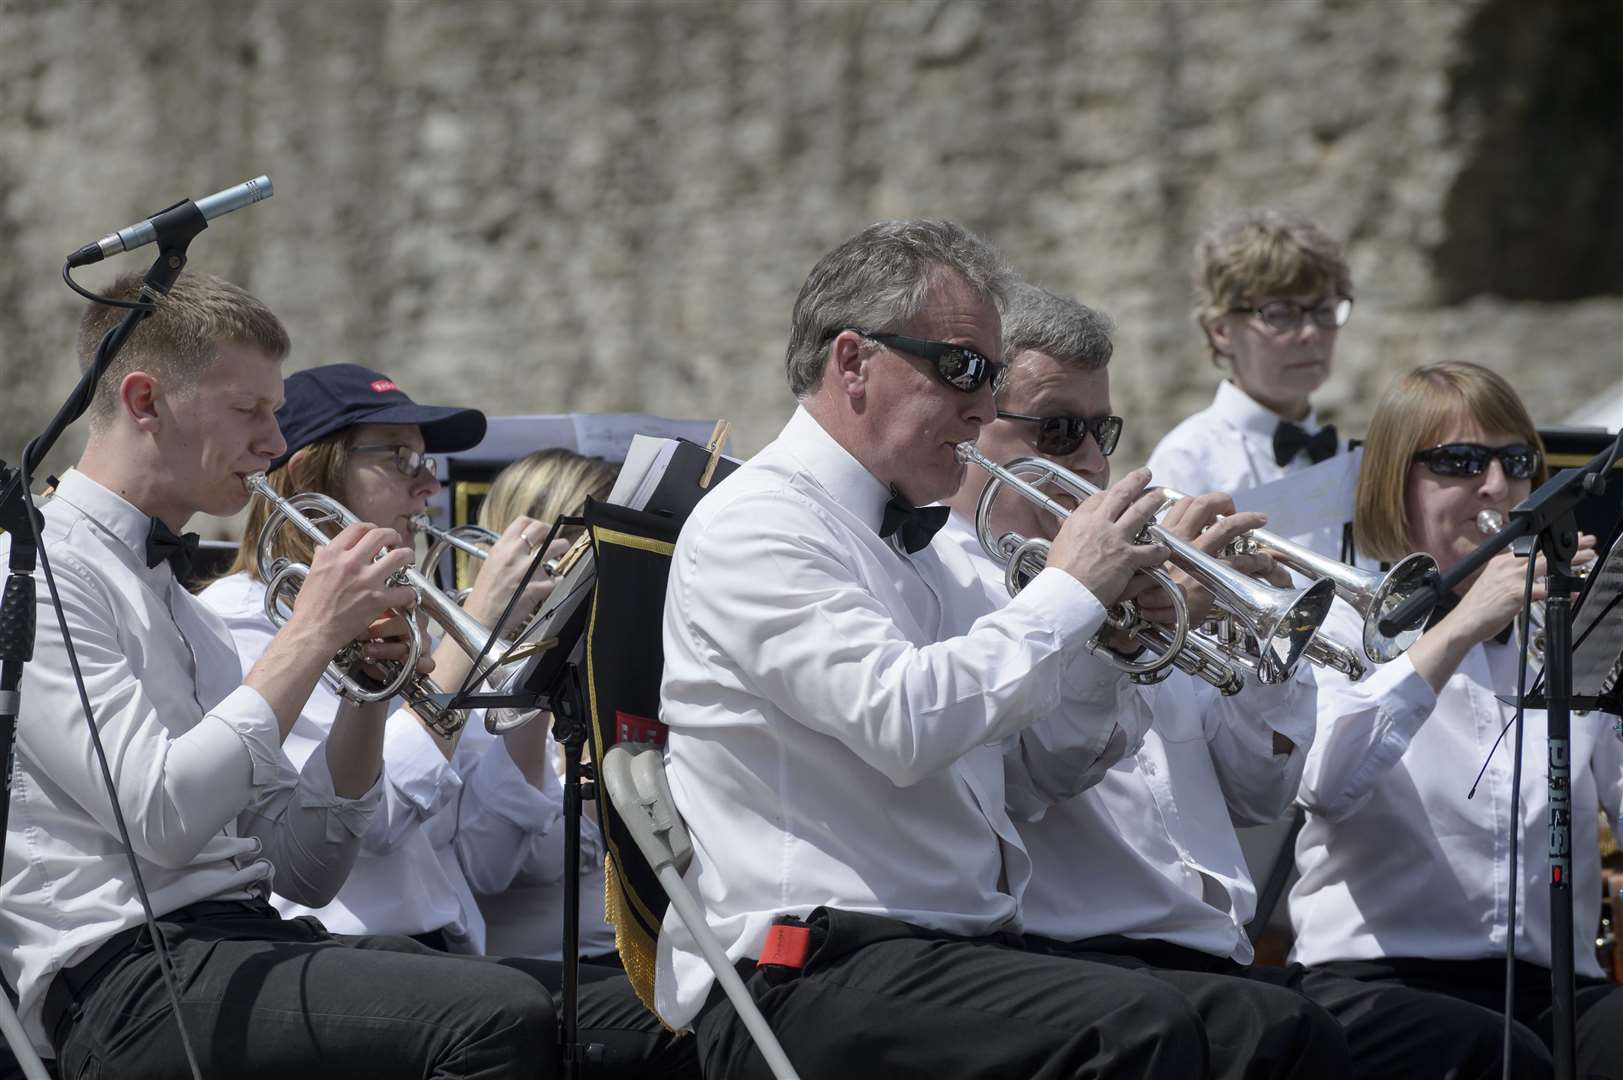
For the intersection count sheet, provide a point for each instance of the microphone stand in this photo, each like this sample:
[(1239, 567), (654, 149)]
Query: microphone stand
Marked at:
[(176, 227), (1548, 515)]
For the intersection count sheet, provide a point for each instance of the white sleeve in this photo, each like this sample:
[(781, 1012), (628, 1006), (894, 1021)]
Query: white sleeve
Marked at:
[(310, 833), (807, 636), (508, 831), (1058, 756), (417, 780), (1258, 785), (176, 792), (1364, 728)]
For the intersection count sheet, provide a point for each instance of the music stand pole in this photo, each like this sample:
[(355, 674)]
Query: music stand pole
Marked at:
[(570, 728), (1558, 720)]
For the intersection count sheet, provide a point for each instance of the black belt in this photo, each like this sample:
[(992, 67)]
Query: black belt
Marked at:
[(75, 984)]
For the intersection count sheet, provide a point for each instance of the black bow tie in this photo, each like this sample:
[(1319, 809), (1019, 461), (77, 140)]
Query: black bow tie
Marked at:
[(916, 524), (1448, 603), (162, 544), (1290, 440)]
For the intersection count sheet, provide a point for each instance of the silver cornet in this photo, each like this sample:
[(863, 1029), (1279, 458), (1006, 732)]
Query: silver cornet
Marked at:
[(1371, 593), (309, 512), (1280, 623), (472, 540), (1489, 522)]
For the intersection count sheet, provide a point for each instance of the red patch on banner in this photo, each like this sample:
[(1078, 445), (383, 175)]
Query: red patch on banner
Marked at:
[(629, 727), (380, 385)]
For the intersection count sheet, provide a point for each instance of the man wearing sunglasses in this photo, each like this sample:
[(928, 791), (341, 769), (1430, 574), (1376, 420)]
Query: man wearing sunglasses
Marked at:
[(839, 692), (1144, 869), (1273, 292)]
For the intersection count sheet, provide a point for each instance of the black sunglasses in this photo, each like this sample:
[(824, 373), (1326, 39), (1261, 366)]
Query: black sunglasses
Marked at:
[(1061, 435), (1520, 462), (959, 366)]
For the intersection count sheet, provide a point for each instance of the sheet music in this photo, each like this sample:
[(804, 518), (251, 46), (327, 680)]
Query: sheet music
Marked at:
[(1300, 504), (646, 461), (1592, 661), (610, 435)]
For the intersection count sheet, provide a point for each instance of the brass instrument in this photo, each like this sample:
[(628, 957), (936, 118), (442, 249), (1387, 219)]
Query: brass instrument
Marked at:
[(1371, 593), (309, 512), (1279, 623), (1489, 522), (472, 540)]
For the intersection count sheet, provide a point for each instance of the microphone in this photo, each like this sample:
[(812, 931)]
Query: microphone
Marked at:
[(145, 232)]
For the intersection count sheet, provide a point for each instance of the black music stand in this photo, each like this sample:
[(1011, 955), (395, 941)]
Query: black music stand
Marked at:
[(555, 678)]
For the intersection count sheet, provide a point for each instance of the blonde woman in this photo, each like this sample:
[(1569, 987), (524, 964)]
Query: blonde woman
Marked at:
[(521, 895), (1403, 874)]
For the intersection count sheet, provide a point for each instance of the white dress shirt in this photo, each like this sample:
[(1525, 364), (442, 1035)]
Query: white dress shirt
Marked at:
[(407, 878), (214, 808), (1229, 446), (511, 841), (839, 712), (1150, 852), (1396, 861)]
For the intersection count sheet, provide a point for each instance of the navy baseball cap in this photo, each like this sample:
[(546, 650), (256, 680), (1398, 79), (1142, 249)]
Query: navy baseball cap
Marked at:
[(319, 401)]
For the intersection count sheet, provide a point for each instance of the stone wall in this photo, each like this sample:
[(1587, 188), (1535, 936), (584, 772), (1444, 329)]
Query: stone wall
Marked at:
[(610, 205)]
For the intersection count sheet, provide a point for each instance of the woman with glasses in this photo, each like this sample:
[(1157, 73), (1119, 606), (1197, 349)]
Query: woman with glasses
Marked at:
[(354, 435), (1273, 292), (1404, 873)]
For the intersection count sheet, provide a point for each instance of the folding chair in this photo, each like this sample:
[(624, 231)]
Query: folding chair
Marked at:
[(647, 846)]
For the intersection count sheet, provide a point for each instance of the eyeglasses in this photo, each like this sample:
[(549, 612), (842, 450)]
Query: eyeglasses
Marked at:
[(959, 366), (1520, 462), (411, 463), (1285, 316), (1061, 435)]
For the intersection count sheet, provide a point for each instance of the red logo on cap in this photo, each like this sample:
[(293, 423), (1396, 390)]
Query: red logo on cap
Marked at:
[(380, 385)]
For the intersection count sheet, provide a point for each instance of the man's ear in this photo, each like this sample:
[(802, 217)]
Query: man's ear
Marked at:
[(847, 364), (1220, 334), (138, 398)]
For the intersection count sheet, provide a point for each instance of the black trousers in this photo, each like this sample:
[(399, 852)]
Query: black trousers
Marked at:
[(1464, 998), (883, 999), (264, 996), (1255, 1028)]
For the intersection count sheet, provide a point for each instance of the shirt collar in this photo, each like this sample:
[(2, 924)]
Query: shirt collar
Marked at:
[(111, 513), (1248, 414), (834, 469)]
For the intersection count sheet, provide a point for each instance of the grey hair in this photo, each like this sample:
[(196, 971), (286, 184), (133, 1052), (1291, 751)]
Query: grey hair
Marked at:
[(1036, 319), (878, 280)]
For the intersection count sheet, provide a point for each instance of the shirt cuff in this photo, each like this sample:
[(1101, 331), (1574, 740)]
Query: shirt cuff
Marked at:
[(346, 818), (1065, 603), (415, 766), (248, 714), (499, 787)]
